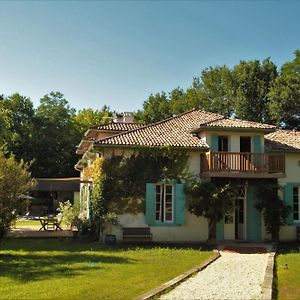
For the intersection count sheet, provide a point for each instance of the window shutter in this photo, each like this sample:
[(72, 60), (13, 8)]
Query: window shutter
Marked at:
[(179, 204), (214, 142), (150, 203), (288, 199), (257, 144)]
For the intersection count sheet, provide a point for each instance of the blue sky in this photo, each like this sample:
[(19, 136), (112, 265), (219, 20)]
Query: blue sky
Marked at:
[(117, 53)]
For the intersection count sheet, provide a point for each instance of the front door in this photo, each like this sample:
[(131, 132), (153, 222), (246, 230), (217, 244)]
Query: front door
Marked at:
[(239, 217)]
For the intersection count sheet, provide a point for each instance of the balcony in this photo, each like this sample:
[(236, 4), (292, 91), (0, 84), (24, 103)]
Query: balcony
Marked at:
[(242, 164)]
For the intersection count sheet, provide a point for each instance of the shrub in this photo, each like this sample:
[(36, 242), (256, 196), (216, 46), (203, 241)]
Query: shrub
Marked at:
[(69, 213)]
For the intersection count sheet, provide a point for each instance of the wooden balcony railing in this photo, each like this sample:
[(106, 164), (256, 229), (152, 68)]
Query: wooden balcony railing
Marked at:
[(243, 162)]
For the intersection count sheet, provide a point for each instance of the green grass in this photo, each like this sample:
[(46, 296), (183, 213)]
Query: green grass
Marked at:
[(28, 223), (53, 269), (288, 271)]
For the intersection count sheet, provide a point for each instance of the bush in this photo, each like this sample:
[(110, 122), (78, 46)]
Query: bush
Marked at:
[(69, 213), (15, 180)]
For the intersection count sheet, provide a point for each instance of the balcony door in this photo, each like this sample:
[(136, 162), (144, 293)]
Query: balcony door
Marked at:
[(223, 157), (245, 147), (245, 144)]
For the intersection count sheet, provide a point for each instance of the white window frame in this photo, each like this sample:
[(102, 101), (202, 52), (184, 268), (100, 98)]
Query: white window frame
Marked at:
[(296, 220), (163, 203)]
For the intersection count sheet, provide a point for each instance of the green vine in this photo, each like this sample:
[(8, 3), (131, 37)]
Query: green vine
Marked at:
[(119, 182), (98, 205)]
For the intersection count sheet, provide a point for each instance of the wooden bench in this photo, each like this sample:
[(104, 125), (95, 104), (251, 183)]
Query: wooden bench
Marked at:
[(133, 235)]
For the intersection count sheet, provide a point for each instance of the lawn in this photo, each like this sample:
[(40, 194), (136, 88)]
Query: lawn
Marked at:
[(31, 223), (28, 223), (288, 266), (40, 269)]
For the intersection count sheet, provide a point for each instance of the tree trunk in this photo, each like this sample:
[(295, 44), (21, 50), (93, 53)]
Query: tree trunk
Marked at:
[(275, 236), (212, 230)]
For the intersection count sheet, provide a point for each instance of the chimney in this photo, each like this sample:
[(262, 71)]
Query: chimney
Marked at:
[(126, 118)]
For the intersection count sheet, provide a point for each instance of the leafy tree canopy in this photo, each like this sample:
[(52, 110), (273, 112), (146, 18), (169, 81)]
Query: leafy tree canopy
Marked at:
[(88, 117), (56, 137), (285, 95), (17, 118), (251, 90), (15, 180)]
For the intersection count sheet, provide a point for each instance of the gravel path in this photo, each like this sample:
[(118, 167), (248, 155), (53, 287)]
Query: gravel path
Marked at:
[(233, 276)]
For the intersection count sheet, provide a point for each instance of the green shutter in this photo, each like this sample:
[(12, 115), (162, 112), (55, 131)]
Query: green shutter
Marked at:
[(150, 203), (257, 144), (214, 142), (253, 215), (179, 204), (288, 199)]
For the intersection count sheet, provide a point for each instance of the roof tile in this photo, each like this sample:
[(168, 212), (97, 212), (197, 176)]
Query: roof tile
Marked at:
[(175, 131), (283, 140), (236, 123), (117, 126)]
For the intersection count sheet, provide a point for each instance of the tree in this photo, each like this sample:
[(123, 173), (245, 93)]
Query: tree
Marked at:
[(88, 117), (285, 95), (18, 117), (217, 90), (156, 108), (15, 180), (56, 138), (212, 202), (251, 83), (274, 210)]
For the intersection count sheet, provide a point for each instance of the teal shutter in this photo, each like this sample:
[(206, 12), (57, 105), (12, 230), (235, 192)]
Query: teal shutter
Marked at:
[(257, 144), (150, 203), (253, 215), (288, 199), (214, 142), (179, 204)]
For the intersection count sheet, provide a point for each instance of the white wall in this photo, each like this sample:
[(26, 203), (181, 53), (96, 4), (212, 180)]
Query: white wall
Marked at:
[(195, 229), (194, 163), (234, 138), (292, 168)]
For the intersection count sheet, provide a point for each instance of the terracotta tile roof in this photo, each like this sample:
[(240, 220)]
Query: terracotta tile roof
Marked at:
[(114, 126), (283, 140), (236, 123), (175, 132)]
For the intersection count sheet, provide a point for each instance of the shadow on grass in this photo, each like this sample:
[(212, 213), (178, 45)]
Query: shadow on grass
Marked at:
[(288, 247), (39, 266), (275, 282), (70, 245)]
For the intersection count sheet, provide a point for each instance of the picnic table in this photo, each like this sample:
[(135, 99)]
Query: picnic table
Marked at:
[(50, 222)]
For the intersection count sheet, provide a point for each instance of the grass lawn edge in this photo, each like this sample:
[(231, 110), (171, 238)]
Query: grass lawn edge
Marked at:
[(175, 281)]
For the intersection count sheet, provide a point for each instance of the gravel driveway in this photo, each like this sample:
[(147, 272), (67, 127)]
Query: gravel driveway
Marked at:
[(233, 276)]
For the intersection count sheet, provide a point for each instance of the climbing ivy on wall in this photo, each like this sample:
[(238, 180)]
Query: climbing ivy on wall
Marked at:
[(119, 182), (122, 183), (126, 177)]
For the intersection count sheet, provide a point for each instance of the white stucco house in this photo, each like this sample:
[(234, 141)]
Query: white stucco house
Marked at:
[(220, 149)]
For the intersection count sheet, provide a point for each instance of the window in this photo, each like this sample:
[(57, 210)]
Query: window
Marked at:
[(164, 196), (296, 206), (245, 144), (223, 144)]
